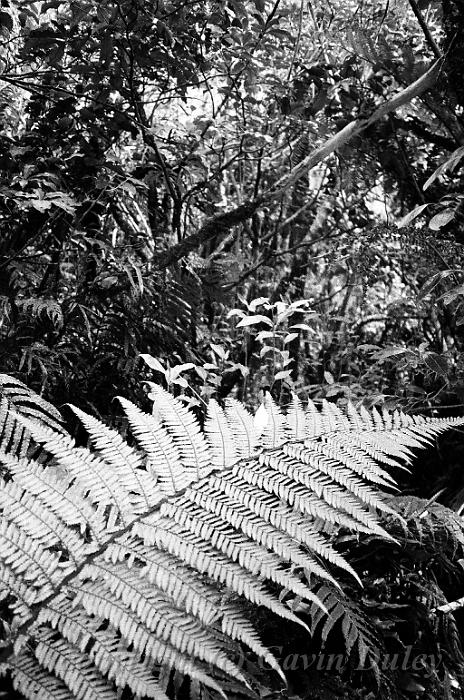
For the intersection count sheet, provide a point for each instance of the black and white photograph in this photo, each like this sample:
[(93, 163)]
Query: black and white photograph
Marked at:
[(232, 350)]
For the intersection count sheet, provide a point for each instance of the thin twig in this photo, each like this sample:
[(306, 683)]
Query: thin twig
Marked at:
[(423, 25), (297, 42)]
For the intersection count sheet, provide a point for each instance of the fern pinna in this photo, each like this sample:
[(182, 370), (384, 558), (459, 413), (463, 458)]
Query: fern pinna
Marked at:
[(124, 564)]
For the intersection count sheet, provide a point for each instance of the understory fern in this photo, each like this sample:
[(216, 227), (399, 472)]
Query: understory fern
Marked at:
[(124, 562), (17, 400), (358, 631)]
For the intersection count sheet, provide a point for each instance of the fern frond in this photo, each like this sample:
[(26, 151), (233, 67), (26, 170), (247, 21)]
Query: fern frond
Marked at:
[(302, 499), (30, 679), (314, 424), (276, 431), (353, 457), (241, 424), (169, 624), (162, 452), (28, 560), (170, 576), (125, 461), (334, 418), (197, 529), (63, 496), (29, 404), (265, 508), (185, 432), (124, 668), (206, 559), (25, 593), (109, 650), (248, 529), (76, 670), (196, 596), (219, 436), (429, 520), (247, 551), (392, 436), (95, 474), (358, 633), (16, 399), (236, 626), (38, 306), (338, 474), (42, 524), (291, 480), (296, 419), (126, 564), (14, 438)]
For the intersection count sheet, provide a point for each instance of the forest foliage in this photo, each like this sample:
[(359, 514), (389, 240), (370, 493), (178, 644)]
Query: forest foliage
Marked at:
[(239, 199), (154, 177)]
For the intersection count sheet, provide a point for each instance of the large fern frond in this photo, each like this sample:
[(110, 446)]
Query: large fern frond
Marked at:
[(123, 561)]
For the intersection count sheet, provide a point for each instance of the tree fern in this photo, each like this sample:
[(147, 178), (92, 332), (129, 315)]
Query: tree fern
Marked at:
[(124, 563)]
